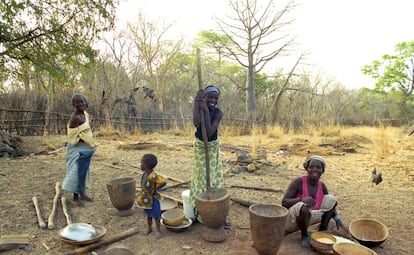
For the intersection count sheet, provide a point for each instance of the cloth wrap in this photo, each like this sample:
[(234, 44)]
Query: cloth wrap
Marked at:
[(79, 151), (148, 199), (198, 176), (328, 202)]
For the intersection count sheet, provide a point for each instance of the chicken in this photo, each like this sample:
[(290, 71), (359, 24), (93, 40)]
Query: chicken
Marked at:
[(376, 178)]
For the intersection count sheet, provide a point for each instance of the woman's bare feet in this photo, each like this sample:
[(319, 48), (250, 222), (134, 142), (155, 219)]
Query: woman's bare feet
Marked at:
[(78, 203), (86, 198), (149, 231)]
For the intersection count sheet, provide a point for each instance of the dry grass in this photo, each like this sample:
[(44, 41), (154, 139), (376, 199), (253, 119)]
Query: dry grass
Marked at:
[(228, 132), (49, 144), (382, 144), (257, 135), (274, 132), (273, 137)]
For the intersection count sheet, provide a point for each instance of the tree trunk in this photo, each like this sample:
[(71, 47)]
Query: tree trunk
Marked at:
[(250, 93)]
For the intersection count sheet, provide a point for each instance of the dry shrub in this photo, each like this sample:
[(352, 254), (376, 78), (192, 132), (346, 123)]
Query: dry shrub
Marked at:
[(136, 133), (227, 132), (51, 143), (330, 131), (108, 131), (382, 146), (184, 130), (407, 142), (274, 138), (360, 130), (378, 135), (257, 135), (274, 132)]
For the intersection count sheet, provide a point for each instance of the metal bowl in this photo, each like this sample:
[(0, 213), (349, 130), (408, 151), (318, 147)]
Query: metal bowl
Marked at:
[(180, 228), (81, 233)]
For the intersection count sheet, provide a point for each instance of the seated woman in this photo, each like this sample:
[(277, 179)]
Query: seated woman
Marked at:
[(308, 201)]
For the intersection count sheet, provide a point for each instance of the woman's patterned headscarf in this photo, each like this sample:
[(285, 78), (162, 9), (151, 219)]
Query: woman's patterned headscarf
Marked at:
[(314, 157), (211, 88)]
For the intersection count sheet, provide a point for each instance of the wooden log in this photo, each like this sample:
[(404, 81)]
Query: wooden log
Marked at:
[(46, 246), (15, 239), (173, 198), (57, 150), (66, 211), (47, 152), (41, 221), (118, 249), (164, 176), (170, 177), (117, 167), (11, 242), (13, 246), (244, 202), (138, 167), (50, 221), (107, 240), (174, 186), (203, 127), (257, 188)]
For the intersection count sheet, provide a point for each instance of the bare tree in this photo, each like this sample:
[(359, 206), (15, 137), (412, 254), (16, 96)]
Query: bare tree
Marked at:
[(256, 37), (156, 52)]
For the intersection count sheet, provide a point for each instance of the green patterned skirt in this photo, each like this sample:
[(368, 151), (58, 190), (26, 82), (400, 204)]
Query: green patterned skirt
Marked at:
[(198, 176)]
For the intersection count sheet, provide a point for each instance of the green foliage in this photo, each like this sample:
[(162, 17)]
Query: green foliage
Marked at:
[(392, 97), (383, 105), (52, 38), (394, 73), (214, 40)]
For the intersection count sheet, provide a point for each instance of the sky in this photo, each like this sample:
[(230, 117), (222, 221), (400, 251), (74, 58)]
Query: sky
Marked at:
[(339, 36)]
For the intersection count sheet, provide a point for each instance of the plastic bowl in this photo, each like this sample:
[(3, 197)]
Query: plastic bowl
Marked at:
[(351, 249), (173, 217), (368, 232)]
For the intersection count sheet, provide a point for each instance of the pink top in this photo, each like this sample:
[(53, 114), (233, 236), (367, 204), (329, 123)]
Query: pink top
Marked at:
[(305, 192)]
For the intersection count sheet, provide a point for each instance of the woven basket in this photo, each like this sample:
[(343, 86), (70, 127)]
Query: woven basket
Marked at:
[(322, 242), (368, 232), (351, 248)]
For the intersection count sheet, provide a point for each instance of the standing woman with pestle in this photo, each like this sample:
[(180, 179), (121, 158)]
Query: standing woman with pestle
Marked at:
[(206, 101)]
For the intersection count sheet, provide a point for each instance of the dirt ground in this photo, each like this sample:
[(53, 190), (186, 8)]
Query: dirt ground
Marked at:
[(350, 161)]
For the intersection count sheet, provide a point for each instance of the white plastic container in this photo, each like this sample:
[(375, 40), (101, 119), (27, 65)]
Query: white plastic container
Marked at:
[(187, 207)]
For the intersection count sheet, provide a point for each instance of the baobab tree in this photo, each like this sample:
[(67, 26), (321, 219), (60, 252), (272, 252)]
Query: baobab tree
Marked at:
[(255, 35)]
